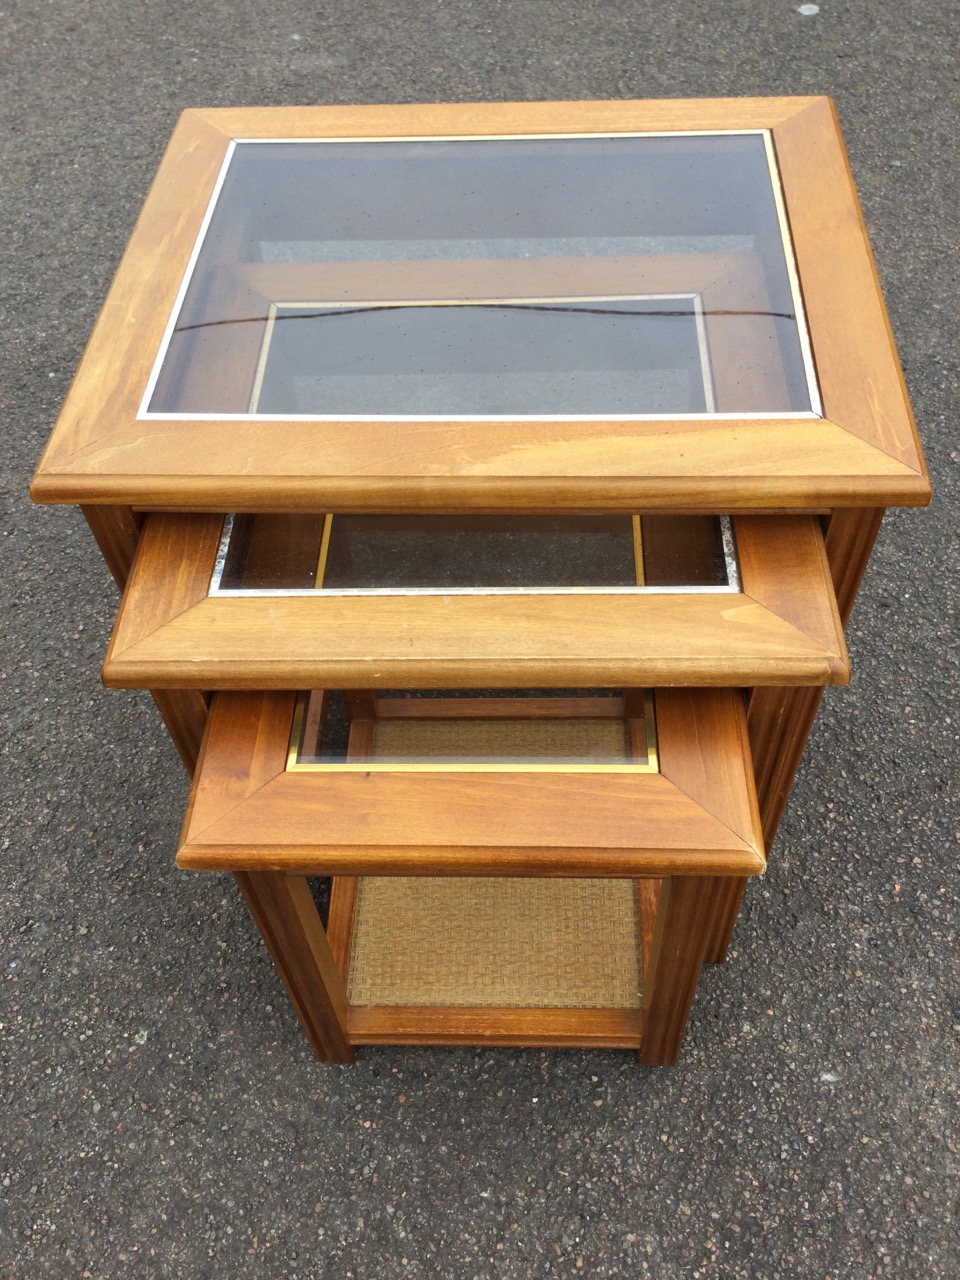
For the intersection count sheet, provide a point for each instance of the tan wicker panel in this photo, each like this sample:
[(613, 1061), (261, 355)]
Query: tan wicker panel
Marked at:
[(530, 740), (507, 943)]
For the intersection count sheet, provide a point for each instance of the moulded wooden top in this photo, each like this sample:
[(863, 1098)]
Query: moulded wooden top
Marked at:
[(696, 816), (779, 627), (113, 445)]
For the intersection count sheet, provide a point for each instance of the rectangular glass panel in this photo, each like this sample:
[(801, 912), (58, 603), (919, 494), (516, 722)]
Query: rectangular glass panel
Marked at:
[(683, 551), (559, 357), (494, 278), (469, 729), (411, 554)]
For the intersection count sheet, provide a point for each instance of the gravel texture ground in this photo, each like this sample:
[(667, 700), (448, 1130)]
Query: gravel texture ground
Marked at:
[(161, 1113)]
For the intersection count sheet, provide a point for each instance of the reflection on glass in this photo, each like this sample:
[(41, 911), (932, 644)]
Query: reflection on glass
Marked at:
[(494, 278), (410, 554), (488, 729), (557, 357)]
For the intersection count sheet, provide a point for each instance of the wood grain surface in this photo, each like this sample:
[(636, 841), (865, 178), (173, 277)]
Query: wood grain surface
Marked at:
[(781, 628), (697, 816), (864, 452)]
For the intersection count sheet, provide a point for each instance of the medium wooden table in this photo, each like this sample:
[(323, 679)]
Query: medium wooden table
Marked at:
[(635, 350)]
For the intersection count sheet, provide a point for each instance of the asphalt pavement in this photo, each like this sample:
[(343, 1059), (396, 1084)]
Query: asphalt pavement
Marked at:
[(160, 1112)]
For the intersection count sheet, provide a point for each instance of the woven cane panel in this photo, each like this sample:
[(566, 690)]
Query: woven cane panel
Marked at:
[(506, 943), (567, 740)]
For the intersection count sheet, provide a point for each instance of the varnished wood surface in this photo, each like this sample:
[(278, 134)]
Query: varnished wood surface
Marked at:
[(117, 532), (857, 363), (727, 902), (685, 910), (782, 627), (864, 453), (184, 711), (780, 720), (549, 1028), (466, 119), (667, 464), (849, 541), (288, 922), (184, 714), (343, 901), (648, 899), (247, 812)]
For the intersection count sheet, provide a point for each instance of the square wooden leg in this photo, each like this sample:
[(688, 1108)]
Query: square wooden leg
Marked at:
[(287, 918), (780, 720), (681, 917)]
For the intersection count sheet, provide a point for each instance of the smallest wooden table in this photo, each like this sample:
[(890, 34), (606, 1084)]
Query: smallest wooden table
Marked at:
[(480, 895)]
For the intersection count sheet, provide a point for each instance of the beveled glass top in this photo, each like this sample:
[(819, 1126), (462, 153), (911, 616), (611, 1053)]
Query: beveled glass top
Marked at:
[(531, 277)]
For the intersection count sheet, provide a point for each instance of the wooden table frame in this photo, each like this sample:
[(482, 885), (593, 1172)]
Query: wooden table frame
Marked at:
[(844, 468), (780, 718), (272, 828), (864, 451), (780, 628)]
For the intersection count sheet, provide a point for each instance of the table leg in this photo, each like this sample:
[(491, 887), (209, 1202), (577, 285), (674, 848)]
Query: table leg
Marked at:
[(117, 531), (287, 918), (681, 927), (184, 711), (780, 720)]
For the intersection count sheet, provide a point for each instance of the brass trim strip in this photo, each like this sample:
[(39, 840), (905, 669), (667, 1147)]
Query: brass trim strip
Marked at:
[(650, 728), (638, 551), (324, 551), (294, 746)]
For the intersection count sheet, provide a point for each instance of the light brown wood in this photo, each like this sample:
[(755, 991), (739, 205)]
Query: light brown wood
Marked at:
[(849, 541), (343, 901), (468, 119), (549, 1028), (728, 898), (246, 811), (781, 720), (117, 532), (184, 712), (781, 628), (685, 910), (290, 926), (857, 364), (648, 900), (865, 452), (697, 465), (704, 750), (361, 705)]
